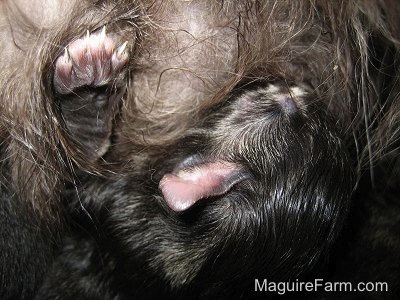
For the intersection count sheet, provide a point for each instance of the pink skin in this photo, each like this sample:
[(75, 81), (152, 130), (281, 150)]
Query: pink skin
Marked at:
[(184, 188), (90, 61)]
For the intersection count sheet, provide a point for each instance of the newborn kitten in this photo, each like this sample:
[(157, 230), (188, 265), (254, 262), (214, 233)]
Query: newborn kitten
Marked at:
[(161, 114), (260, 187)]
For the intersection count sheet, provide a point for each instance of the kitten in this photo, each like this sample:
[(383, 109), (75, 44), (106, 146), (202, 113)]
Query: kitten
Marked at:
[(182, 62), (260, 187)]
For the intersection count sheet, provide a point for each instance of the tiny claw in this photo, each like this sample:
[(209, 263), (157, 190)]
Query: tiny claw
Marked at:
[(86, 41), (103, 35), (122, 49), (67, 57)]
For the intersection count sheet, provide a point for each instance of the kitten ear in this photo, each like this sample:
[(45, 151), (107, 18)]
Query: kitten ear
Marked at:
[(184, 187)]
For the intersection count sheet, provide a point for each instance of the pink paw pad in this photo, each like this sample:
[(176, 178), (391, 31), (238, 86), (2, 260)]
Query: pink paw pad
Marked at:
[(91, 61)]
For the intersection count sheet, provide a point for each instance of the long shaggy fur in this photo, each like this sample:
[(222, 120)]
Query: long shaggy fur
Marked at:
[(186, 59)]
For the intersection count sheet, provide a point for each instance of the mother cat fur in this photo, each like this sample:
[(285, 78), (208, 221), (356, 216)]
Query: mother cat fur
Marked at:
[(185, 57)]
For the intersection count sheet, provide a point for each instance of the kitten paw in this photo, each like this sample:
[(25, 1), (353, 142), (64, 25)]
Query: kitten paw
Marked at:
[(91, 61)]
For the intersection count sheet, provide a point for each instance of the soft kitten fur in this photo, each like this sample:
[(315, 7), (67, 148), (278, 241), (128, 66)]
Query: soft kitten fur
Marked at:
[(186, 58)]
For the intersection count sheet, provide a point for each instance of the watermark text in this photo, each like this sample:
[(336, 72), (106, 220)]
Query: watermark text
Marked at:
[(263, 285)]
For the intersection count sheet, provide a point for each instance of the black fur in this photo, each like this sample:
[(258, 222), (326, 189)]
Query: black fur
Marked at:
[(276, 223), (83, 206)]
